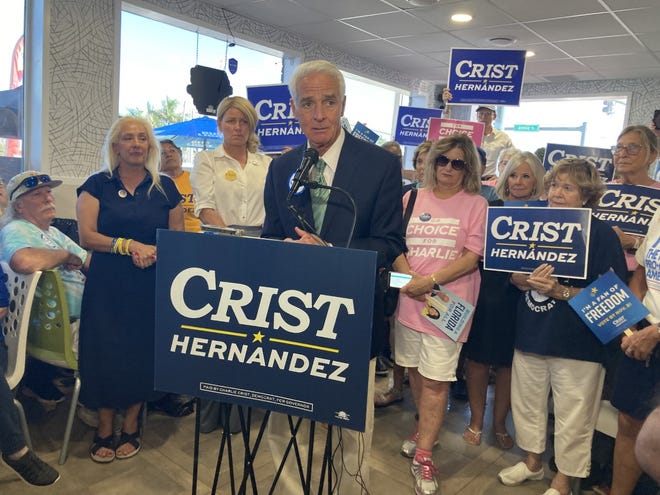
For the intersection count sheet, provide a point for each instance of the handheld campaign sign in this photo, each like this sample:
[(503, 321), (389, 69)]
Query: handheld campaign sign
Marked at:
[(440, 128), (521, 239), (630, 208), (448, 312), (600, 157), (527, 203), (608, 307), (363, 132), (412, 124), (276, 325), (277, 126), (486, 76)]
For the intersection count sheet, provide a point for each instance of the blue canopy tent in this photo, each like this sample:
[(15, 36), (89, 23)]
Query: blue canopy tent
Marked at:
[(200, 133)]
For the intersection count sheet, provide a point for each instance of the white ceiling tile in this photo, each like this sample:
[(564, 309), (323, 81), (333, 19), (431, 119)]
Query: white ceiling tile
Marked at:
[(338, 9), (373, 48), (630, 4), (482, 11), (601, 46), (579, 27), (642, 20), (652, 41), (388, 25), (532, 10), (426, 43), (479, 36), (557, 66), (620, 61), (331, 33), (282, 13)]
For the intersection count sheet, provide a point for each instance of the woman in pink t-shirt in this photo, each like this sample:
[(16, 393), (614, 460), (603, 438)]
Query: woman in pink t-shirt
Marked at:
[(445, 239)]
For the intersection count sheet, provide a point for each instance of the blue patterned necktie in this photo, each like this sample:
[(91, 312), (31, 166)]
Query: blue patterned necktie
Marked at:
[(319, 195)]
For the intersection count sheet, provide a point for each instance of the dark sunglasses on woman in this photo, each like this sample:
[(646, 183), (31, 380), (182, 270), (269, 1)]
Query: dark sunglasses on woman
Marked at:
[(456, 164)]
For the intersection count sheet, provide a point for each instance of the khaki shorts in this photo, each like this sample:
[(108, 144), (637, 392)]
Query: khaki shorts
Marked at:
[(434, 357)]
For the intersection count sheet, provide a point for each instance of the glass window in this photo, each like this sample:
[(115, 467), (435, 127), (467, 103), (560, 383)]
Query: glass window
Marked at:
[(11, 88)]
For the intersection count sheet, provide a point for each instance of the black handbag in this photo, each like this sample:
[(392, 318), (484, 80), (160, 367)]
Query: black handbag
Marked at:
[(391, 294)]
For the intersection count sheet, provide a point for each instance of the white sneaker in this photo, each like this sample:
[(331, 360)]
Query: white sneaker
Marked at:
[(515, 475), (409, 445), (424, 473)]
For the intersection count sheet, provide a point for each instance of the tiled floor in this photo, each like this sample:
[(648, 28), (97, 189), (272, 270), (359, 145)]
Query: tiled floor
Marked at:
[(164, 467)]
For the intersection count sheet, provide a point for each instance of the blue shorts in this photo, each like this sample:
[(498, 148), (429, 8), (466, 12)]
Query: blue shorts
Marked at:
[(636, 386)]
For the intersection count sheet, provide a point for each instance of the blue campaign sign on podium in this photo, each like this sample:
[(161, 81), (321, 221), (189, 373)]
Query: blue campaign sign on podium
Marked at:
[(276, 325)]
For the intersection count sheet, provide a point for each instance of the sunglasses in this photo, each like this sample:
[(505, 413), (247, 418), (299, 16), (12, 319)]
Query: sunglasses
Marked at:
[(30, 182), (442, 161)]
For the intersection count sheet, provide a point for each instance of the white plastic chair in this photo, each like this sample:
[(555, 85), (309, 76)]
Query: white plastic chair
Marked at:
[(15, 329)]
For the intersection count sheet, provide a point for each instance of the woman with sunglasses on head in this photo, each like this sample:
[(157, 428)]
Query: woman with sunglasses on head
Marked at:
[(119, 211), (555, 350), (445, 239), (494, 323), (638, 374)]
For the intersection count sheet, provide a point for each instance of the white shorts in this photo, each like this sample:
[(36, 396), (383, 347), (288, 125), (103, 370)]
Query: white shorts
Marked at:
[(435, 358)]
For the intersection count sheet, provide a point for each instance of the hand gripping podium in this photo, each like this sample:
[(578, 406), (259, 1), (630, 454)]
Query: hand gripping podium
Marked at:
[(278, 326)]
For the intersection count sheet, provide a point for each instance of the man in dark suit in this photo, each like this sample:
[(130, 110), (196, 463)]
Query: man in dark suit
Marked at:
[(372, 176)]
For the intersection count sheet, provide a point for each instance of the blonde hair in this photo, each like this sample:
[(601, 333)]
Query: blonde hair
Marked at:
[(111, 159), (471, 178), (515, 161), (423, 147), (247, 109)]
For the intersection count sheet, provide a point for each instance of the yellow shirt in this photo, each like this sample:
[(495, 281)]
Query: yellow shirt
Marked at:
[(192, 222)]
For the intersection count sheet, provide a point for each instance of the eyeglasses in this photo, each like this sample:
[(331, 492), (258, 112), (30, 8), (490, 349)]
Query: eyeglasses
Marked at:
[(442, 161), (631, 149), (30, 182)]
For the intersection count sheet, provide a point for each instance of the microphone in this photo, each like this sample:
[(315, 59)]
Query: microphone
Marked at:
[(310, 157)]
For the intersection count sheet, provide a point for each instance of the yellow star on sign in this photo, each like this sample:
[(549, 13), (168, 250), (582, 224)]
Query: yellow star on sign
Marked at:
[(634, 212), (532, 246), (594, 291), (258, 337)]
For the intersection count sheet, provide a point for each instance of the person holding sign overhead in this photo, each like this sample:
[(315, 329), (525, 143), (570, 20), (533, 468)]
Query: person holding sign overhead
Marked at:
[(555, 350), (638, 376), (445, 238)]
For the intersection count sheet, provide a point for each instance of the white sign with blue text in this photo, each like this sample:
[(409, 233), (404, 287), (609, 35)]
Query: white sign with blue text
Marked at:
[(493, 77), (608, 307), (520, 239), (276, 325)]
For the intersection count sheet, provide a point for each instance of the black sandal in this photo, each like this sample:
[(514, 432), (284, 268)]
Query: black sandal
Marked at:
[(130, 438), (102, 443)]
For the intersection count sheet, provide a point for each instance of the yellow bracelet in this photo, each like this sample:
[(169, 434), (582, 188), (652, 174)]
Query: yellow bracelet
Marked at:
[(128, 245)]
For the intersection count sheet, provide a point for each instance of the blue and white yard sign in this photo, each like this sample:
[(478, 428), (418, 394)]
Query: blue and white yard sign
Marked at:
[(493, 77), (276, 325), (608, 307), (521, 239), (277, 126), (412, 124), (600, 157), (630, 208)]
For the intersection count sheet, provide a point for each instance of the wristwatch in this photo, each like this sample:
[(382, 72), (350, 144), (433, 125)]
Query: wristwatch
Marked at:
[(566, 293)]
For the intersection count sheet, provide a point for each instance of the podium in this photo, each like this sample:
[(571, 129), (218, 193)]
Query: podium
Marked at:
[(257, 323)]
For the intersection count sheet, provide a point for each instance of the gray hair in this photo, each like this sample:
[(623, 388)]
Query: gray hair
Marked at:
[(313, 67)]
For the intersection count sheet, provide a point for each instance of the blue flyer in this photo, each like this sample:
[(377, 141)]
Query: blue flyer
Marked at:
[(600, 157), (608, 307), (448, 312), (628, 207), (493, 77), (519, 239)]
